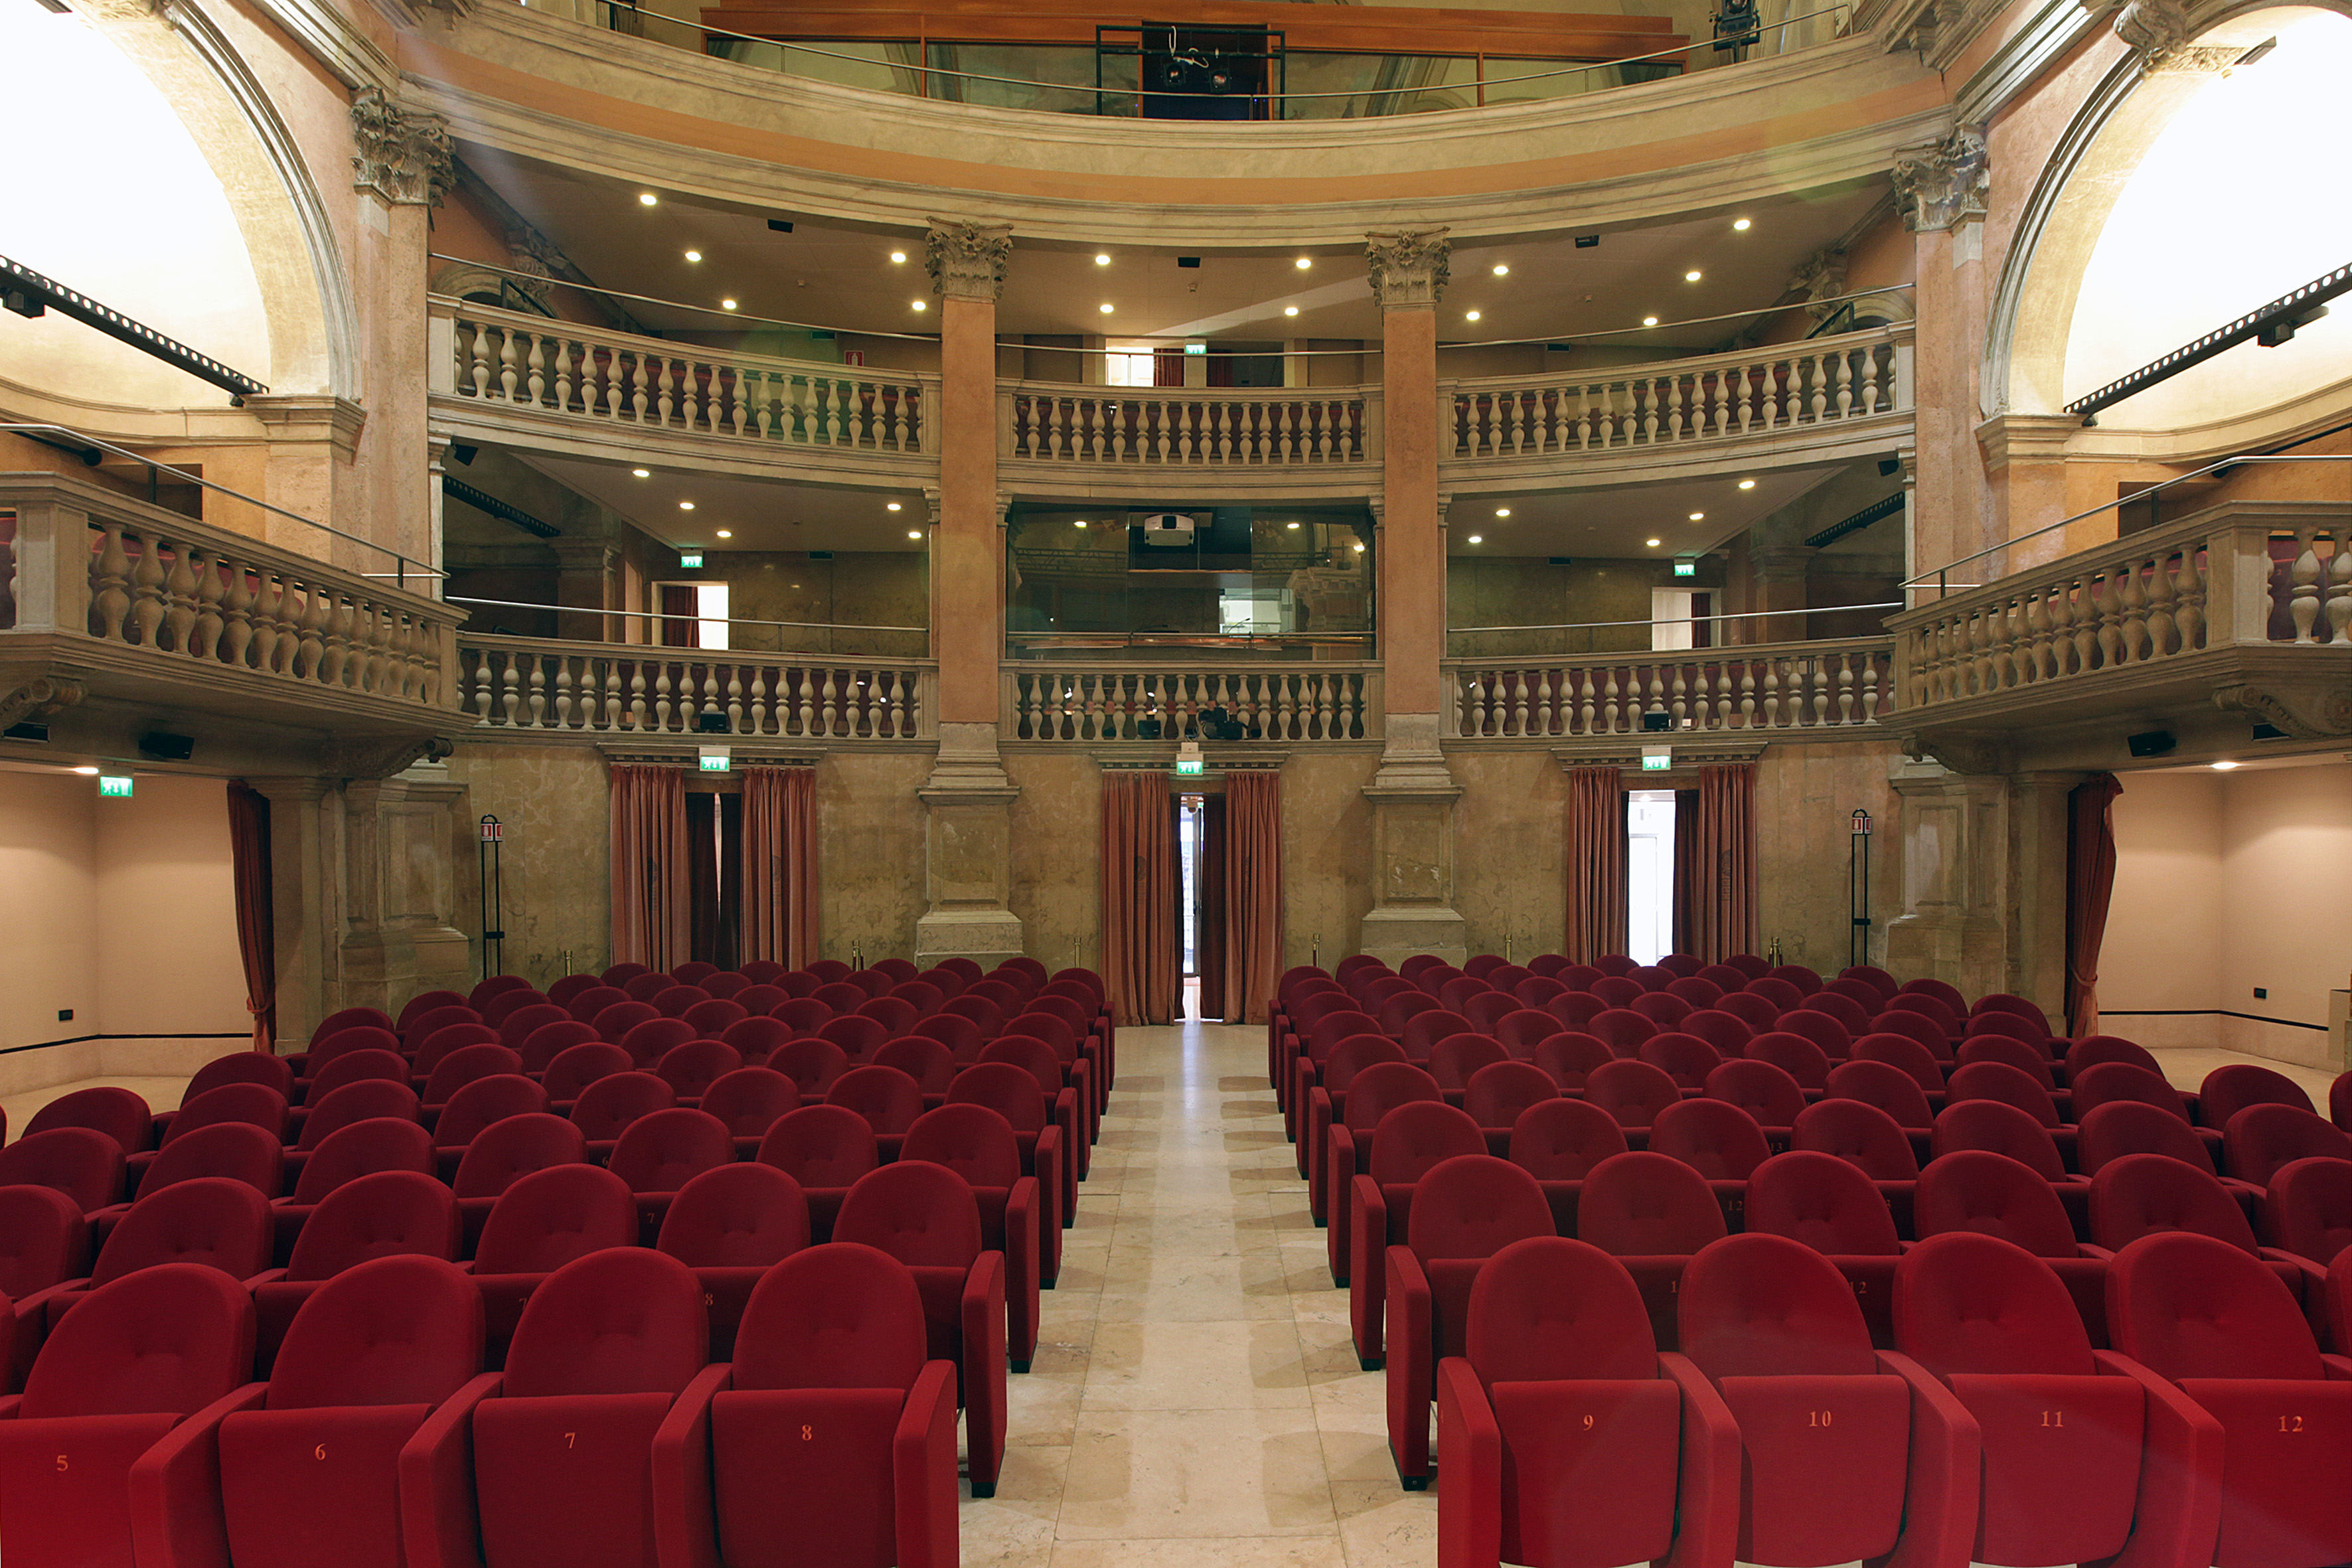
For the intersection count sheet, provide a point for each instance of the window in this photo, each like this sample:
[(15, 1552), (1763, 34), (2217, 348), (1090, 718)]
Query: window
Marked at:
[(1649, 874)]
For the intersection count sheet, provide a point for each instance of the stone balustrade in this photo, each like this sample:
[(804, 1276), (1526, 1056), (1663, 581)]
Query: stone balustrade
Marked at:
[(1174, 427), (1765, 687), (2241, 574), (1715, 397), (1284, 703), (618, 688), (91, 578)]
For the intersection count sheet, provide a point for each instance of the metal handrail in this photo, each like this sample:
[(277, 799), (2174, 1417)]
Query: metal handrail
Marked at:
[(1682, 621), (664, 616)]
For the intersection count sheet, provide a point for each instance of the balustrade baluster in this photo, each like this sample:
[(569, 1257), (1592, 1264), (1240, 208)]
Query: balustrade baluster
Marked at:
[(2303, 606), (1678, 704)]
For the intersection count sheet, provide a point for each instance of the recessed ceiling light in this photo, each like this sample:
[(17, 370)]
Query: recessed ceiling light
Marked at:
[(87, 771), (1305, 262), (646, 198), (694, 256), (1691, 276), (643, 473), (1740, 224), (1747, 484), (1106, 309), (1102, 261), (922, 305), (898, 256), (914, 533), (1649, 320), (1290, 525), (1469, 315), (1360, 549), (726, 304), (1501, 270), (1650, 542), (1699, 517), (890, 506), (1079, 522), (1502, 511), (2223, 766), (1290, 309), (685, 506), (726, 534), (1478, 538)]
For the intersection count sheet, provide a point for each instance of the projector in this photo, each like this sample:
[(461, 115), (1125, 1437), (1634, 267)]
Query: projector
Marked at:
[(1167, 528)]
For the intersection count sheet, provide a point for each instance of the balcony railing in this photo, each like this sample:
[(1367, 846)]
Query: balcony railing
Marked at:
[(120, 585), (2241, 574), (1758, 391), (1180, 428), (1290, 703), (607, 688), (617, 379), (1767, 688)]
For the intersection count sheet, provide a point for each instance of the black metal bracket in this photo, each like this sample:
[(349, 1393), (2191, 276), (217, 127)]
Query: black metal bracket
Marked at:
[(2271, 325), (28, 293), (483, 501)]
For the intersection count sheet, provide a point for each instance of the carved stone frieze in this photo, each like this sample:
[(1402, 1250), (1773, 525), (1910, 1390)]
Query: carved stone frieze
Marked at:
[(2305, 714), (1961, 754), (1821, 279), (967, 260), (1409, 267), (378, 758), (30, 693), (405, 155), (1944, 182)]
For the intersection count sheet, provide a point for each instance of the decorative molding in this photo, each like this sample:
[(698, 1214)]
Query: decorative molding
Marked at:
[(1409, 268), (30, 693), (374, 757), (294, 416), (1821, 277), (967, 260), (1943, 183), (2026, 438), (1689, 751), (2303, 713), (2158, 33), (2021, 59), (406, 156), (1960, 753)]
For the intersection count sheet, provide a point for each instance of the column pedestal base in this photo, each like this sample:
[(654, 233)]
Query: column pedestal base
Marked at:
[(969, 860)]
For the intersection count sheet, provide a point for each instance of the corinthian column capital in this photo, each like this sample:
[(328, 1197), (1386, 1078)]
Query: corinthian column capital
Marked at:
[(405, 155), (1409, 268), (1944, 182), (967, 260)]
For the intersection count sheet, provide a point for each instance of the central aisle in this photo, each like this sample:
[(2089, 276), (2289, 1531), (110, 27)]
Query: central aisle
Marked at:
[(1195, 1400)]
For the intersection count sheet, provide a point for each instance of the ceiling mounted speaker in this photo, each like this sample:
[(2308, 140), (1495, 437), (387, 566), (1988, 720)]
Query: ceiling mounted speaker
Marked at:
[(2150, 742)]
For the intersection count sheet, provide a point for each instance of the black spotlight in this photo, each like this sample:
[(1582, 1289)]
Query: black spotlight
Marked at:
[(167, 748), (711, 721), (2150, 742), (464, 453), (1660, 719), (1886, 467), (1587, 241)]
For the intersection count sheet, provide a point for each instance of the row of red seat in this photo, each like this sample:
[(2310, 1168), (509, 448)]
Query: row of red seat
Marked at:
[(609, 1436)]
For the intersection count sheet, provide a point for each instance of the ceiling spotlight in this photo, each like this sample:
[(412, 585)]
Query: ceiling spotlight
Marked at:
[(1650, 542), (890, 506), (1502, 511), (685, 506), (1691, 276), (1649, 320), (1102, 261), (1305, 262), (1079, 522), (726, 304), (1360, 549), (1291, 525), (1478, 538), (898, 256), (726, 534), (1469, 315), (1501, 270), (694, 256), (1747, 484), (914, 533), (1740, 225), (1106, 309), (646, 198), (1699, 517), (922, 305), (1290, 309), (88, 772), (2223, 766), (643, 473)]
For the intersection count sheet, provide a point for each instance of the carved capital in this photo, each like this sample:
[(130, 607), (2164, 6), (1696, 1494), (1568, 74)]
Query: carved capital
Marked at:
[(1409, 268), (1819, 277), (31, 692), (375, 757), (2305, 714), (967, 260), (2158, 32), (405, 155), (1944, 182)]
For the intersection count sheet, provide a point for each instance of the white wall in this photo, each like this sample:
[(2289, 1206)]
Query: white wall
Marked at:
[(2223, 886), (49, 906)]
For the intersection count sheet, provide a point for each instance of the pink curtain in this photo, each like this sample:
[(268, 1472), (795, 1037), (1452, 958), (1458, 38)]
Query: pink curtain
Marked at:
[(1253, 895), (1139, 897), (2090, 883), (257, 927), (1723, 861), (652, 903), (1595, 853), (780, 871)]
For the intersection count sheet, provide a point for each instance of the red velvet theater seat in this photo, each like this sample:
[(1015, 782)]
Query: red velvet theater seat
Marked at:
[(730, 1226), (1568, 1439), (2308, 1212), (82, 1162), (136, 1359), (543, 1222), (1346, 1142), (1652, 1213), (1850, 1454), (1980, 1192), (1411, 1142), (1012, 1094), (44, 1242), (2088, 1457), (659, 1153), (504, 1152), (212, 1220), (379, 1216), (749, 1100), (978, 1144), (2229, 1089), (825, 1149), (2216, 1322), (1829, 1205), (829, 1396)]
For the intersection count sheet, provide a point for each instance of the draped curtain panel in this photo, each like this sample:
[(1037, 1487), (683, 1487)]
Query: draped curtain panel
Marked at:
[(2090, 882), (1723, 855), (1253, 901), (1686, 880), (714, 847), (1595, 857), (1210, 951), (257, 926), (652, 903), (779, 866), (1139, 889)]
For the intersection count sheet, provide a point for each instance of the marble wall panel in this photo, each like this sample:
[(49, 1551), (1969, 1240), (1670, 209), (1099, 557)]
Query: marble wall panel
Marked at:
[(551, 802), (1326, 853), (1510, 885), (1805, 799), (1056, 886), (870, 827)]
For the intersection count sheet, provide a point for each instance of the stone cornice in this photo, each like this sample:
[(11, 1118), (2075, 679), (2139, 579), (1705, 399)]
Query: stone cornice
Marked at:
[(293, 417)]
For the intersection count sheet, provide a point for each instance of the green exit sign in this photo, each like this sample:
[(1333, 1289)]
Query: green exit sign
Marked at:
[(116, 785), (691, 559), (719, 765), (1686, 568), (1657, 762)]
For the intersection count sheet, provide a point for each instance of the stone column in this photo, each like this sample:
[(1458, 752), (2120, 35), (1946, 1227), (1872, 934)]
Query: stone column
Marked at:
[(2025, 473), (1777, 570), (304, 913), (584, 584), (969, 869), (1941, 188), (402, 168), (313, 444), (1412, 795)]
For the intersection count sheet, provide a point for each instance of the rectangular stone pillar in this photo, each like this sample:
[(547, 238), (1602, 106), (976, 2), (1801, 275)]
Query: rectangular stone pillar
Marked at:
[(405, 166), (1984, 881), (304, 915), (1941, 189)]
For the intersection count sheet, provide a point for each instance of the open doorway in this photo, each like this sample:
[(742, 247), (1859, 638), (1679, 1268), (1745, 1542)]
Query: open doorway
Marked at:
[(694, 614), (1200, 903), (1649, 874)]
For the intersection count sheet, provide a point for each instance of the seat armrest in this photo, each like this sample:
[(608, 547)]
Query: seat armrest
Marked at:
[(923, 1470), (1412, 1346), (1947, 1471), (1470, 1504), (1023, 1264), (2179, 1511), (1362, 1269), (267, 1277), (9, 1403), (437, 1481), (686, 1521), (1707, 1508), (982, 1318), (175, 1489), (2339, 1368)]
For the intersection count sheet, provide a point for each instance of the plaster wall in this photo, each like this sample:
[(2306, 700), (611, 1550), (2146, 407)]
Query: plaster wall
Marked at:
[(870, 849), (1805, 801), (1057, 852), (555, 860)]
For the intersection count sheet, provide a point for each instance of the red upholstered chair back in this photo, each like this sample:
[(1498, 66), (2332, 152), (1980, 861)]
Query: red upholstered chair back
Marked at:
[(1414, 1139), (2308, 1211), (857, 1036), (2026, 1056), (748, 1100), (693, 972), (579, 1065), (362, 1149), (242, 1066), (926, 998), (1943, 992), (589, 1005), (887, 1098), (1851, 1015), (1805, 980), (1780, 993), (1760, 1014), (417, 1006), (610, 1103), (1522, 1027), (375, 1215), (1686, 1058), (1884, 983), (1088, 978), (2229, 1089), (1642, 1204), (172, 1339), (1966, 1301), (1381, 1087), (1998, 1080), (550, 1041), (1720, 1142), (1569, 1057), (44, 1240), (1538, 989), (925, 1215), (801, 1014), (707, 1019), (736, 1216), (1699, 993), (238, 1150), (1833, 1037), (1767, 1093), (727, 983), (930, 1064), (1728, 1031), (1761, 1305), (2261, 1138), (1631, 1092), (1498, 1094), (85, 1165), (1424, 1030), (349, 1018), (614, 1022), (1999, 1129), (691, 1069), (1328, 1030), (2190, 1306), (356, 1067), (622, 973), (1546, 1308), (2140, 1195), (1666, 1012), (662, 1152), (1474, 1206), (1561, 1140), (1460, 991), (469, 1064), (2016, 1006), (1723, 977), (517, 1026), (677, 1000), (628, 1321), (821, 1146), (498, 985), (507, 1149), (972, 1141), (1354, 1054), (1862, 1135), (434, 1048), (1004, 1087), (215, 1221), (1453, 1059), (364, 1101), (813, 1065), (550, 1218), (253, 1104), (1985, 1194), (1913, 1026), (959, 1035), (402, 1329), (761, 1001), (2122, 1127), (842, 996), (1576, 1010), (1906, 1056), (1823, 1202), (571, 986), (654, 1038), (2110, 1081), (1794, 1055), (2014, 1025), (1622, 1029), (1073, 1013), (837, 1316), (1620, 991)]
